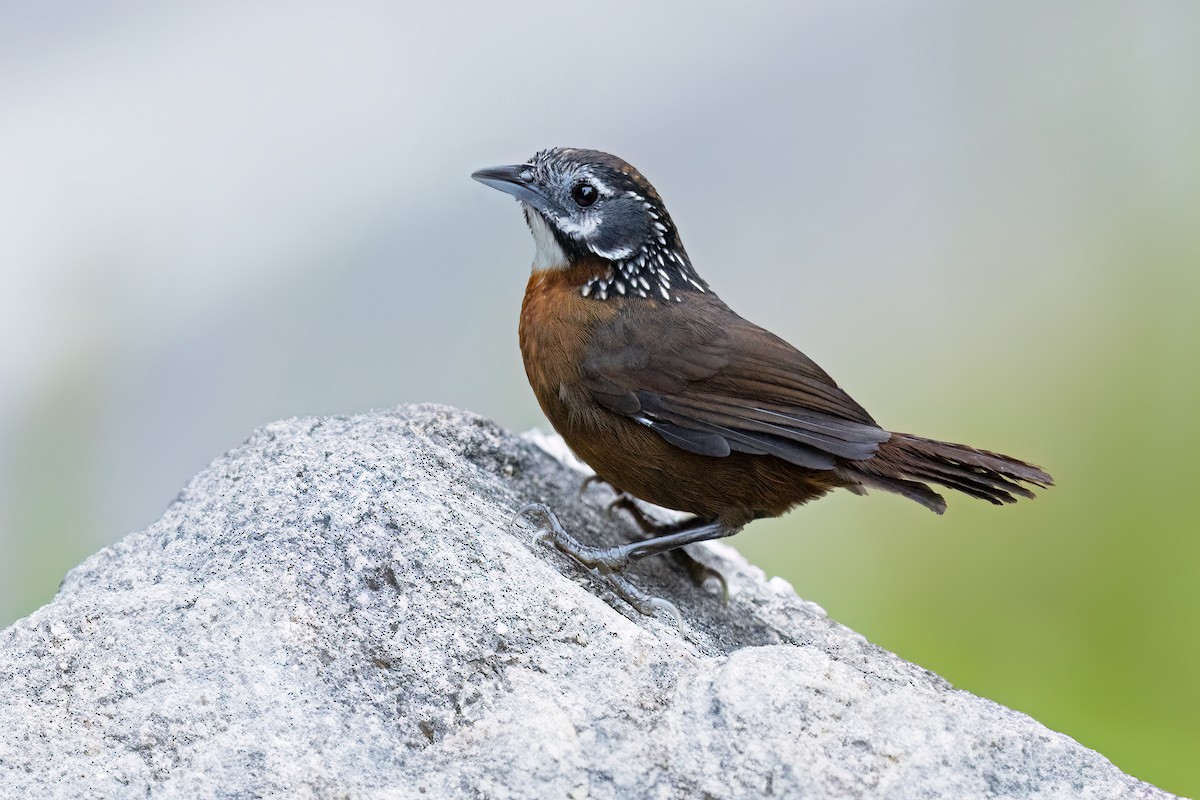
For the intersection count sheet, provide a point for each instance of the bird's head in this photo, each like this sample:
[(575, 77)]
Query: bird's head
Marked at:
[(585, 204)]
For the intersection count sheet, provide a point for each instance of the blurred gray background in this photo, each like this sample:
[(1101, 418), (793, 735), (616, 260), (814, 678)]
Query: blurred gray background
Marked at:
[(982, 218)]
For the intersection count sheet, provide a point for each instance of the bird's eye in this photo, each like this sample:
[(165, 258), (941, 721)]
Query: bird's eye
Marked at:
[(584, 194)]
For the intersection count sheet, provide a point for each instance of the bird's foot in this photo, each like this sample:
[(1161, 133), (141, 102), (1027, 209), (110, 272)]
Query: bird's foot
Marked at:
[(625, 502), (698, 571), (701, 572), (607, 562)]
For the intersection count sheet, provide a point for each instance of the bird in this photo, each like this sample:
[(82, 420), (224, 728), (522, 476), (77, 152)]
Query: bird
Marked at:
[(673, 398)]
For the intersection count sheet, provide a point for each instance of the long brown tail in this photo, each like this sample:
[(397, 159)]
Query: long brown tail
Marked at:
[(904, 462)]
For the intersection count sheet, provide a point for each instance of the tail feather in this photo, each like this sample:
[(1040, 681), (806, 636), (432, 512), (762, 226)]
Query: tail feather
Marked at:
[(904, 462)]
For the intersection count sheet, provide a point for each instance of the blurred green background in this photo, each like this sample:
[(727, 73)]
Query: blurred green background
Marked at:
[(983, 219)]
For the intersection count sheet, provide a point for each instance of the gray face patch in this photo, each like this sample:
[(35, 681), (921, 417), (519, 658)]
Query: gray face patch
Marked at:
[(623, 222), (625, 227)]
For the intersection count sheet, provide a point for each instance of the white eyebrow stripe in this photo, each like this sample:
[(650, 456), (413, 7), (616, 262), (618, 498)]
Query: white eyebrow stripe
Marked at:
[(599, 185)]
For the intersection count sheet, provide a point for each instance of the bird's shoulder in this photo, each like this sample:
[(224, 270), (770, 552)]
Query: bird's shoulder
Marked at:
[(699, 343), (711, 381)]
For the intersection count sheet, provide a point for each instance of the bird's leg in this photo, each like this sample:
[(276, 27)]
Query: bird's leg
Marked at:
[(699, 571), (609, 561)]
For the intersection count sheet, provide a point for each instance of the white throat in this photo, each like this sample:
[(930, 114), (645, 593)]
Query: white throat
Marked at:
[(549, 254)]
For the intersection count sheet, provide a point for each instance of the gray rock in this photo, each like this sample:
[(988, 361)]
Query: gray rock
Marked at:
[(338, 609)]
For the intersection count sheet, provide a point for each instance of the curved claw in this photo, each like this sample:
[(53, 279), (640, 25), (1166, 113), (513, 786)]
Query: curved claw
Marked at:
[(588, 481), (553, 529), (659, 604), (701, 573), (527, 509), (724, 587), (643, 603), (620, 501)]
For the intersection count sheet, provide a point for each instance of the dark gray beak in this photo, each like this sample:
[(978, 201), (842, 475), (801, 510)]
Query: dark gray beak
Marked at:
[(516, 180)]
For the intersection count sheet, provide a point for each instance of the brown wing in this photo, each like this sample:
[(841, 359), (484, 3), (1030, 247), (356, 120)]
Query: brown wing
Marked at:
[(712, 383)]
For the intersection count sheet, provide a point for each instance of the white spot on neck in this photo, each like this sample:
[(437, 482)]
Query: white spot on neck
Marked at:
[(549, 253), (616, 254), (581, 229)]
